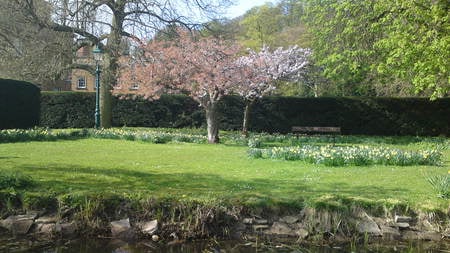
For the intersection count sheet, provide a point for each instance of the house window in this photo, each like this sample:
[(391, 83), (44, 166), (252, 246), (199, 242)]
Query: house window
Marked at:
[(81, 82), (134, 86)]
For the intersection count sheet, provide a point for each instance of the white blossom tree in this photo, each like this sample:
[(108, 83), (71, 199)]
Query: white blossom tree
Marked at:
[(257, 72)]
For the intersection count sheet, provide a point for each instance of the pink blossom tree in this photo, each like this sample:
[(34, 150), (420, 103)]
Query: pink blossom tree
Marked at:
[(257, 72), (197, 66)]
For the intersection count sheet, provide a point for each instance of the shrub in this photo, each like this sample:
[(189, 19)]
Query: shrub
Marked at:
[(19, 103), (15, 180), (40, 201)]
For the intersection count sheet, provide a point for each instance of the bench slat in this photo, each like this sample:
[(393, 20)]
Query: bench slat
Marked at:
[(316, 129)]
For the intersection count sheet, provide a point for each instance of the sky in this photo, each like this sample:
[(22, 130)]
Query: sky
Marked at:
[(244, 5)]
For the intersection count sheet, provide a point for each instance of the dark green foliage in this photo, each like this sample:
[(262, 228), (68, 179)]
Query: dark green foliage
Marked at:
[(168, 111), (365, 116), (19, 104), (67, 109), (371, 116)]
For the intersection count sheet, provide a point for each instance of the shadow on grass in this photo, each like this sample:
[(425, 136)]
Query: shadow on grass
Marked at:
[(8, 157), (69, 179)]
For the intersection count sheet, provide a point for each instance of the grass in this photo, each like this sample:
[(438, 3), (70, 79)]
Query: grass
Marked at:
[(214, 173)]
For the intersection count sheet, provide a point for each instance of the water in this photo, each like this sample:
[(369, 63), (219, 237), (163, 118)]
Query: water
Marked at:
[(10, 244)]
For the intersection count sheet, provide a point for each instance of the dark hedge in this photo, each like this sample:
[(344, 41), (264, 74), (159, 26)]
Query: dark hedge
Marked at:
[(67, 109), (19, 104), (175, 111), (370, 116)]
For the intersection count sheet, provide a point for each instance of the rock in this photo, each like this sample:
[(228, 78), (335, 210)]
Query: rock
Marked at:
[(389, 231), (279, 228), (65, 229), (411, 235), (402, 219), (430, 236), (120, 228), (446, 233), (174, 236), (401, 225), (47, 219), (148, 228), (308, 212), (48, 229), (155, 238), (21, 227), (290, 219), (6, 223), (302, 233), (247, 221), (366, 225), (237, 230), (427, 226), (260, 227), (261, 221), (19, 224)]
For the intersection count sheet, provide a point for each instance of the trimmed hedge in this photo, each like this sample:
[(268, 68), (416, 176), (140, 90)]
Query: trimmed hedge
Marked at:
[(175, 111), (76, 110), (67, 109), (19, 104), (368, 116)]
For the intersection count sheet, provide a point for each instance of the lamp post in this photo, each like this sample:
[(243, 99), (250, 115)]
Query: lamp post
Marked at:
[(97, 52)]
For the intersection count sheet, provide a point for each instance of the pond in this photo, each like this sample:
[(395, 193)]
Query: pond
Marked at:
[(27, 245)]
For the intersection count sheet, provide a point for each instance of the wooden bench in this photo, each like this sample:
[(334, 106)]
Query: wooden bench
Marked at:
[(297, 130)]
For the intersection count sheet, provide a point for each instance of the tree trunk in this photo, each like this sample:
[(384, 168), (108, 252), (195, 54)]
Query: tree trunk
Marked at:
[(106, 97), (111, 65), (246, 121), (212, 122)]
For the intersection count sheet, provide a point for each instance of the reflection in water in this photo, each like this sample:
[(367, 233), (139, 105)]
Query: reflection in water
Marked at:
[(117, 246), (22, 245)]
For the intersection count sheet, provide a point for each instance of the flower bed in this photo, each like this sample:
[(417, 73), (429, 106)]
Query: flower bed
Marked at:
[(154, 136), (349, 155)]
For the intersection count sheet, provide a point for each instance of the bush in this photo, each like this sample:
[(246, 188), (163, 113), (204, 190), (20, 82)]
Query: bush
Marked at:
[(9, 180), (40, 201), (19, 103)]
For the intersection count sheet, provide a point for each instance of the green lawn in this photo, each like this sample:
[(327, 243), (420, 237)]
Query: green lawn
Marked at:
[(213, 173)]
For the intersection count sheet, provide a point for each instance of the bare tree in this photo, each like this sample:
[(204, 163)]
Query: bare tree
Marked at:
[(29, 52), (107, 22)]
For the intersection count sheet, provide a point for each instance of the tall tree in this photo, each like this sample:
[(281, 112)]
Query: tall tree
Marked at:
[(364, 45), (107, 22), (343, 41), (416, 45), (28, 52), (201, 67), (261, 25)]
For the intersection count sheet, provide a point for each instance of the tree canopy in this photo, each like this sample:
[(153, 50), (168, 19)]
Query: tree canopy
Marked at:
[(366, 47)]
